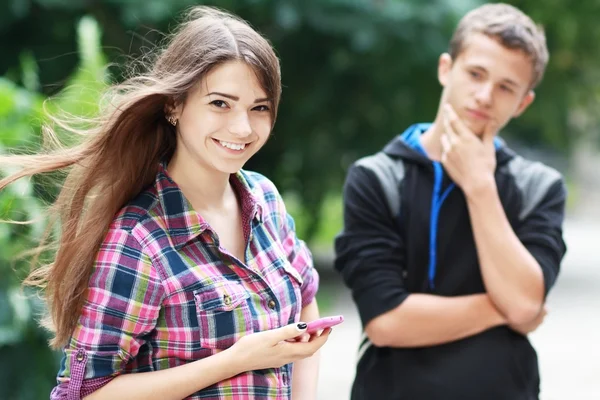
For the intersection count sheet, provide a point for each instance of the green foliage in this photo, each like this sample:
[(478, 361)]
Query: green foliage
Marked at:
[(28, 366), (355, 73), (83, 89), (20, 117), (20, 338)]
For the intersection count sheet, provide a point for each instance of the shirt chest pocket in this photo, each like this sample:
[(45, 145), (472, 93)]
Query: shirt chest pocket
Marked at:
[(223, 313)]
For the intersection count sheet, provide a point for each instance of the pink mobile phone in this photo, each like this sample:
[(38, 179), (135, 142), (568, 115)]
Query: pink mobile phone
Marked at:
[(322, 323)]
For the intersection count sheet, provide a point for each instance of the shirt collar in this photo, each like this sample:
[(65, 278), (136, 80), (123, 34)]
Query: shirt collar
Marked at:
[(183, 222)]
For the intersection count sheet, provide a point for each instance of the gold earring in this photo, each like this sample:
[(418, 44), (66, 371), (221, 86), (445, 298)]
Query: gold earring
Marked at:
[(172, 120)]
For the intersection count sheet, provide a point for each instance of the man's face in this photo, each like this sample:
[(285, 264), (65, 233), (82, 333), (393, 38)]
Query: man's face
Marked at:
[(486, 82)]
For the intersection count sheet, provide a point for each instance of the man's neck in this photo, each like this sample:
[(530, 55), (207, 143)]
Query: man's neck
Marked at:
[(431, 140)]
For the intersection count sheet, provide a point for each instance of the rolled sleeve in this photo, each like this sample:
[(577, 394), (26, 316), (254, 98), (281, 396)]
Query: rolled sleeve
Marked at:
[(542, 235), (123, 302), (369, 250)]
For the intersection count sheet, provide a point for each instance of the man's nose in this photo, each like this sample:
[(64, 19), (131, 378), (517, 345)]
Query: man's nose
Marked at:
[(484, 94)]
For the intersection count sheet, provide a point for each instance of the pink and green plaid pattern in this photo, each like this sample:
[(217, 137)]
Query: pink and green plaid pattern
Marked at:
[(164, 293)]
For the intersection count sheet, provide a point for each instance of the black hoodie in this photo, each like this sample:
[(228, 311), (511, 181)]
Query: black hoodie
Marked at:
[(407, 230)]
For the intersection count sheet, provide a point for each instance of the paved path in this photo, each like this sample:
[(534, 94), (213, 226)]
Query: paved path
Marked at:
[(568, 343)]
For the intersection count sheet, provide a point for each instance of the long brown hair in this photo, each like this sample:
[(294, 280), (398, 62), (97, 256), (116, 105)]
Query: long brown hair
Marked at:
[(119, 153)]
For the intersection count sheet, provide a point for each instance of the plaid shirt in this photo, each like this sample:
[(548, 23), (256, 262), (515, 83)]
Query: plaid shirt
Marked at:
[(164, 293)]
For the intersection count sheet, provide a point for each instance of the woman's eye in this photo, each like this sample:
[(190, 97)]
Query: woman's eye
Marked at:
[(261, 108), (219, 103)]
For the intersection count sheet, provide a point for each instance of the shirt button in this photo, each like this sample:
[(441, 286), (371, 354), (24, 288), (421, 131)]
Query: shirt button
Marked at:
[(227, 299), (271, 304)]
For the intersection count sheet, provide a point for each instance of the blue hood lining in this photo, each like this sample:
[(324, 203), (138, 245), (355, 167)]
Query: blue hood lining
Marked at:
[(412, 137)]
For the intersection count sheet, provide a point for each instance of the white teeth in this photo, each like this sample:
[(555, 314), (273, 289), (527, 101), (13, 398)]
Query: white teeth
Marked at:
[(233, 146)]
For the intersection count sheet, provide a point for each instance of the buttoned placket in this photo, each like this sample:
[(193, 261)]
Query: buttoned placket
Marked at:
[(270, 300)]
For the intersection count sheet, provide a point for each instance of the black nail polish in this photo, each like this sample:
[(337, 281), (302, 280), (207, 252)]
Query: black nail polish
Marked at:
[(302, 325)]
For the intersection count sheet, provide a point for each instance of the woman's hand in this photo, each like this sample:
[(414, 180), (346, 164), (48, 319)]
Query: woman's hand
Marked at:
[(276, 347)]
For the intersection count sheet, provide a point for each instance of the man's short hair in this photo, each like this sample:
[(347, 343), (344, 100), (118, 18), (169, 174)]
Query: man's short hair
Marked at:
[(511, 27)]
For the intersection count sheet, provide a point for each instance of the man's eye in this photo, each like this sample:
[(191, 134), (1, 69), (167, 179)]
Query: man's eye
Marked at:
[(475, 74)]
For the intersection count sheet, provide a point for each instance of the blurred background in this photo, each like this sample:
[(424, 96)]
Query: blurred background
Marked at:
[(355, 74)]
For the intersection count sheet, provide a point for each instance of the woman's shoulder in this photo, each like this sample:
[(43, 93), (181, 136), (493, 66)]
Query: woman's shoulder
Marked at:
[(259, 183), (263, 190), (139, 210)]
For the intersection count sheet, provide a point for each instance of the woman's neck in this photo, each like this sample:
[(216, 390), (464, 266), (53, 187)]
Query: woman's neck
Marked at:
[(206, 189)]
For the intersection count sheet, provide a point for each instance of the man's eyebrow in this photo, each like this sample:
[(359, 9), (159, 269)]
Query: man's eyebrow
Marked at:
[(236, 98), (505, 80), (479, 68), (511, 82)]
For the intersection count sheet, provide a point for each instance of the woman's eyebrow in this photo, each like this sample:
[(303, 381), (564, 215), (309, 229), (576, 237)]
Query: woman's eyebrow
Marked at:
[(236, 98)]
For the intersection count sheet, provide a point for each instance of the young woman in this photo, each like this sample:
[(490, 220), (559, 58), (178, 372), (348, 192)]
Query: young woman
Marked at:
[(178, 274)]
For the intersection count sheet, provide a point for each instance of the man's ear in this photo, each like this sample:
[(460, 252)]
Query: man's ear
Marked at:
[(444, 68), (526, 102)]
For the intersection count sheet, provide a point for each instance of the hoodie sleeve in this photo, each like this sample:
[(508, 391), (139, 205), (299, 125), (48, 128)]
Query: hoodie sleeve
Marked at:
[(540, 230), (369, 250)]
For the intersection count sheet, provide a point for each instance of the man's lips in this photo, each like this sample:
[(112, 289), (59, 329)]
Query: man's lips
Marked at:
[(477, 114)]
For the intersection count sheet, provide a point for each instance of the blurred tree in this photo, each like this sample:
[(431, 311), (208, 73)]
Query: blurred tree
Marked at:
[(355, 73), (24, 353), (27, 366)]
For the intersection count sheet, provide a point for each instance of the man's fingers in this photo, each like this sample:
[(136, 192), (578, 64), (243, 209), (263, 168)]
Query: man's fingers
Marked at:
[(451, 136), (446, 145), (458, 127), (489, 133)]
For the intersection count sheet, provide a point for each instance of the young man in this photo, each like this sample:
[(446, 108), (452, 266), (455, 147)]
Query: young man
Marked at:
[(451, 241)]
